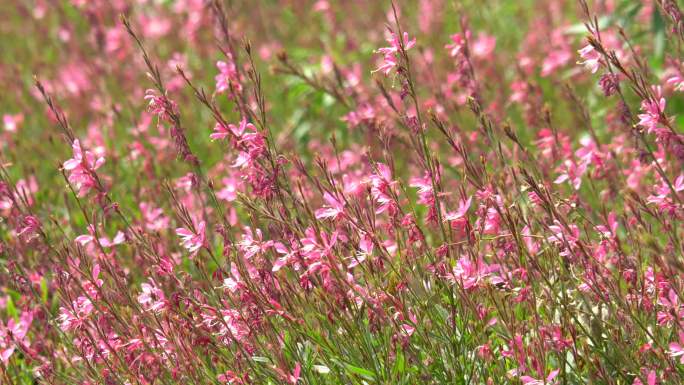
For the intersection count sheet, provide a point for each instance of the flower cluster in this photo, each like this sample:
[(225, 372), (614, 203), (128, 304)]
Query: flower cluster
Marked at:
[(496, 200)]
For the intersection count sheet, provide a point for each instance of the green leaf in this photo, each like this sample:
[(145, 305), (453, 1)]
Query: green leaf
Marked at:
[(11, 309), (580, 28), (44, 290), (264, 360), (365, 373), (399, 364), (658, 29)]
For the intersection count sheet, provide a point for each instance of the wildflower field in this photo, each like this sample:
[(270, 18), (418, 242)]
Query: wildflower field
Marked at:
[(341, 192)]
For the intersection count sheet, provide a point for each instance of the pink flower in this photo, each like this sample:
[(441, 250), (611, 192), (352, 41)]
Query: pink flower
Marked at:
[(651, 378), (609, 231), (334, 208), (469, 274), (672, 309), (554, 60), (231, 186), (228, 76), (673, 76), (287, 255), (12, 122), (390, 59), (565, 239), (458, 44), (677, 81), (424, 186), (81, 169), (662, 196), (160, 105), (527, 380), (677, 349), (381, 187), (365, 250), (364, 113), (458, 218), (192, 241), (573, 173), (230, 377), (387, 65), (155, 26), (291, 378), (483, 46), (221, 132), (154, 217), (85, 239), (227, 323), (395, 44), (253, 243), (652, 110), (13, 335), (519, 91), (529, 239), (152, 297), (76, 315), (29, 228), (591, 58)]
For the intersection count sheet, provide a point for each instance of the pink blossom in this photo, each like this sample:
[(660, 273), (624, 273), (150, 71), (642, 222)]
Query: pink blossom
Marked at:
[(12, 122), (519, 91), (160, 105), (221, 132), (81, 169), (334, 208), (228, 76), (652, 110), (469, 274), (458, 44), (424, 186), (231, 186), (30, 228), (672, 309), (75, 316), (554, 60), (572, 172), (677, 349), (651, 378), (228, 323), (154, 217), (677, 81), (155, 26), (609, 231), (152, 297), (591, 58), (105, 242), (459, 218), (14, 335), (663, 195), (253, 243), (483, 46), (191, 240), (673, 76), (230, 377), (565, 239), (365, 250), (390, 58), (549, 380), (287, 255), (291, 378), (381, 189)]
